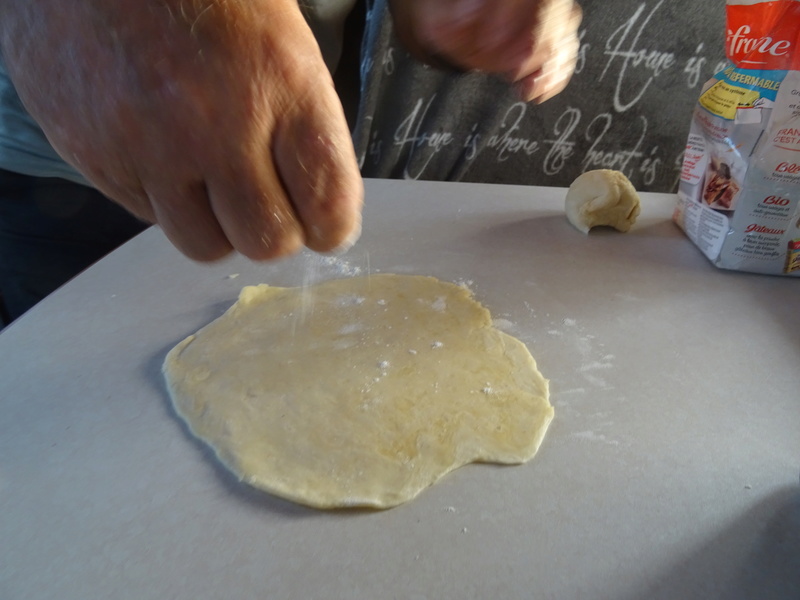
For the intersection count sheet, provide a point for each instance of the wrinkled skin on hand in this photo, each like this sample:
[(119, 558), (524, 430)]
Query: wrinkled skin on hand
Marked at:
[(531, 43), (216, 119)]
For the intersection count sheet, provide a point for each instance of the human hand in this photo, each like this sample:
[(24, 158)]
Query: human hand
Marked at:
[(216, 119), (532, 43)]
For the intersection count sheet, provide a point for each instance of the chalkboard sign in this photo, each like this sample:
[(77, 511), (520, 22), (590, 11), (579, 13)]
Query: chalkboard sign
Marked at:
[(640, 70)]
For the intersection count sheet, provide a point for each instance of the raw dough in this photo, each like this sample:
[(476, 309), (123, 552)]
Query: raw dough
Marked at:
[(358, 392), (602, 197)]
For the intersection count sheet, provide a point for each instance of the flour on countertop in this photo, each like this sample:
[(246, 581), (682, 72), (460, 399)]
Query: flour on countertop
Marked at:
[(503, 324), (591, 436), (573, 391), (595, 381), (626, 297), (465, 283), (595, 366)]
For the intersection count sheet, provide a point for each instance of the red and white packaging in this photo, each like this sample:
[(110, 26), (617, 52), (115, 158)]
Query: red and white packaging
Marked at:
[(739, 196)]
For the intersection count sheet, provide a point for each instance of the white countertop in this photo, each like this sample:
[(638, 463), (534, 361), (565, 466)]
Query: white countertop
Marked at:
[(670, 470)]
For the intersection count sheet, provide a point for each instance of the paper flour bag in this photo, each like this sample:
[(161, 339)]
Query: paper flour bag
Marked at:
[(739, 195)]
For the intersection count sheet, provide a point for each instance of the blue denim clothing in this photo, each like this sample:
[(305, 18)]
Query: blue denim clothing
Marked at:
[(51, 230)]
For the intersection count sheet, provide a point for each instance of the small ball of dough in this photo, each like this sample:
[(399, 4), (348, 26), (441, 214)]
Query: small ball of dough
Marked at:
[(602, 197)]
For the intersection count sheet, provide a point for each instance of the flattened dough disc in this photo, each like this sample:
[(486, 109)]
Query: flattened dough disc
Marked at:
[(358, 392)]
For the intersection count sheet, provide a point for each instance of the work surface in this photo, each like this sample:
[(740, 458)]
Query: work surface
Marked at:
[(670, 470)]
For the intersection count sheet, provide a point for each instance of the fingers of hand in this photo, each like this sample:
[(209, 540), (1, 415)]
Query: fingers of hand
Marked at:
[(282, 171), (189, 138), (319, 170), (296, 184), (514, 38), (295, 180), (125, 191), (185, 216), (553, 39), (542, 83), (253, 209)]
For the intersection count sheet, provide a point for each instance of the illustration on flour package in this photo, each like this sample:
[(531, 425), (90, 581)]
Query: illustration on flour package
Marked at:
[(739, 194)]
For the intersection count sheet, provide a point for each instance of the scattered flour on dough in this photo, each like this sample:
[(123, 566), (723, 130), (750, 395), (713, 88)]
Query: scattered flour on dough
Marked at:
[(351, 328), (347, 300)]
